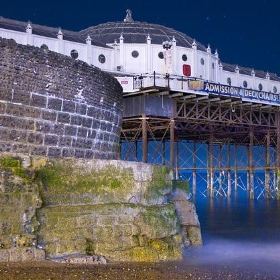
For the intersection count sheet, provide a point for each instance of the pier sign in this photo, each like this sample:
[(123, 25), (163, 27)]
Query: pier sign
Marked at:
[(232, 91)]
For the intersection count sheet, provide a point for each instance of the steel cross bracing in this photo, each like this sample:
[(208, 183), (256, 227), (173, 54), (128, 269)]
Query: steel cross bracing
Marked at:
[(219, 145)]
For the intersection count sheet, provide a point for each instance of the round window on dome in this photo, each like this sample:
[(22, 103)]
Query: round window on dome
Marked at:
[(274, 89), (184, 57), (135, 54), (74, 54), (245, 84), (202, 61), (160, 55), (44, 47), (260, 86), (101, 58)]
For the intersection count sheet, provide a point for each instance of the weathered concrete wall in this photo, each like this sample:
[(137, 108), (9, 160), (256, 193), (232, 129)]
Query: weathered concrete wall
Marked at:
[(55, 106), (116, 209)]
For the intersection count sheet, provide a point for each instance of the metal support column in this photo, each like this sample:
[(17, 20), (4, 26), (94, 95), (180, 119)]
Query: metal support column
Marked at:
[(144, 139), (172, 146), (210, 178), (251, 171), (228, 171), (267, 166), (235, 168), (194, 169)]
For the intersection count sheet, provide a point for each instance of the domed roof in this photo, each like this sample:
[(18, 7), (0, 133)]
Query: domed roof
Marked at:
[(137, 32)]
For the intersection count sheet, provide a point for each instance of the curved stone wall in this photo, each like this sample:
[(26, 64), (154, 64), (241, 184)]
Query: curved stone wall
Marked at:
[(54, 106)]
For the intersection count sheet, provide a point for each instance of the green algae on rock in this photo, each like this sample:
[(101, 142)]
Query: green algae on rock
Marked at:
[(111, 208)]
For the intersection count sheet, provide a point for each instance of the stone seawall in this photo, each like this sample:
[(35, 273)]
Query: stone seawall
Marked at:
[(52, 105), (123, 211)]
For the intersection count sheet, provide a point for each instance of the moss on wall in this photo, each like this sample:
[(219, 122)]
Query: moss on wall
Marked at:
[(88, 208)]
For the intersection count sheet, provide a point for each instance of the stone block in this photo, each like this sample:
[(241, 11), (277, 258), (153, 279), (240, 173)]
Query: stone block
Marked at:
[(70, 130), (35, 138), (21, 97), (81, 109), (82, 132), (194, 235), (54, 103), (37, 100), (15, 254), (63, 118), (51, 140), (49, 115), (68, 152), (54, 152), (28, 254), (4, 255), (76, 120)]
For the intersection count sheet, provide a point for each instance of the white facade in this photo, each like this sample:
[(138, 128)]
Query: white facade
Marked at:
[(143, 60)]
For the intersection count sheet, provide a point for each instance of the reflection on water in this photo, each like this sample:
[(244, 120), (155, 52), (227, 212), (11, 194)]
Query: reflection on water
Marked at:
[(238, 232)]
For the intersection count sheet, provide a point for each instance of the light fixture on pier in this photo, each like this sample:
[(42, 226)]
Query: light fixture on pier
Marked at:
[(167, 45)]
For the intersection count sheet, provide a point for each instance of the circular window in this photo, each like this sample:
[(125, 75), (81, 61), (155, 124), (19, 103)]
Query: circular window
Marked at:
[(160, 55), (135, 54), (184, 57), (274, 89), (229, 81), (245, 84), (44, 47), (202, 61), (260, 86), (101, 58), (74, 54)]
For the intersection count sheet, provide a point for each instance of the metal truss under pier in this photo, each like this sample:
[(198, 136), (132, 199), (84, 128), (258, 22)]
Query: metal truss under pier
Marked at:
[(219, 143)]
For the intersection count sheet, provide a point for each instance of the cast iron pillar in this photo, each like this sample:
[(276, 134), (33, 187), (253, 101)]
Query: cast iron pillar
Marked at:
[(144, 139)]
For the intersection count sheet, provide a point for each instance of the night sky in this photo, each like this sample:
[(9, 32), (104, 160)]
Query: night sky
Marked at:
[(245, 32)]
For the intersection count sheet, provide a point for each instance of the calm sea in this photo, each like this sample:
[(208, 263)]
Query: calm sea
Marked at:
[(238, 232)]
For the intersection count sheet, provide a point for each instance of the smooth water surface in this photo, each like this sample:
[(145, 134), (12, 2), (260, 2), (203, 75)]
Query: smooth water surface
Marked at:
[(238, 232)]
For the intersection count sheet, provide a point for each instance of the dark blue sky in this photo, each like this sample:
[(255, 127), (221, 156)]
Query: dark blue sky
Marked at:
[(245, 32)]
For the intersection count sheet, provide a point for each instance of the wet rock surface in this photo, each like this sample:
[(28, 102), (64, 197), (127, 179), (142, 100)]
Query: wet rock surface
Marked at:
[(122, 271)]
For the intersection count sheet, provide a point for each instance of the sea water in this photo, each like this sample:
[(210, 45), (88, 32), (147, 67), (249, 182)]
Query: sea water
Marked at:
[(238, 232)]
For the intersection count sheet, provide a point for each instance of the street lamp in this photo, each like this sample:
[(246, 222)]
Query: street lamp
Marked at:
[(167, 45), (167, 57)]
